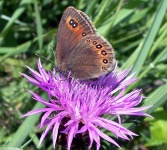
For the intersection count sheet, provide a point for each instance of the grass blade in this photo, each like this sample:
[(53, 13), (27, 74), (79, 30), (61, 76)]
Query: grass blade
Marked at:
[(39, 25), (150, 37)]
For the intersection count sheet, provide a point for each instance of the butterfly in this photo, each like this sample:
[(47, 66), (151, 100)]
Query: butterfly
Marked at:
[(80, 50)]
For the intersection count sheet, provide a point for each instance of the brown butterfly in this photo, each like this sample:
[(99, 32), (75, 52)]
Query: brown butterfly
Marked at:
[(80, 49)]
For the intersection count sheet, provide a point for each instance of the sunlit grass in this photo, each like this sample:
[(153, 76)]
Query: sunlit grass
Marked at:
[(137, 32)]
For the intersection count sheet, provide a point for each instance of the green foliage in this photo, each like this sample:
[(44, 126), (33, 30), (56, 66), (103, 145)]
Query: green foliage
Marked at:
[(135, 28), (158, 128)]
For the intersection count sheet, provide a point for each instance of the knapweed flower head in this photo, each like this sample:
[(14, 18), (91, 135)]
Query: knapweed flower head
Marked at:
[(76, 109)]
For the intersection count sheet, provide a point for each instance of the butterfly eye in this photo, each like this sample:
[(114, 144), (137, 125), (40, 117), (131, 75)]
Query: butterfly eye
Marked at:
[(73, 23), (84, 33), (103, 52), (88, 41), (94, 42), (99, 46), (105, 61)]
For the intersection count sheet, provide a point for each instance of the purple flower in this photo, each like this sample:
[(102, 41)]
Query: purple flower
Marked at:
[(76, 109)]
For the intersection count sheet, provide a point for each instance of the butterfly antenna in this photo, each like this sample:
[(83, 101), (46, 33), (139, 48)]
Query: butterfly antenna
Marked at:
[(45, 58), (52, 51)]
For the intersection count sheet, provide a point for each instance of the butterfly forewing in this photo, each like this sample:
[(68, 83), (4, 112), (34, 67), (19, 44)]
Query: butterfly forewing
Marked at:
[(72, 28)]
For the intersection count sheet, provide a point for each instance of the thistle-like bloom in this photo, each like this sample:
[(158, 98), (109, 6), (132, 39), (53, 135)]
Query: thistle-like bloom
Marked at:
[(78, 108)]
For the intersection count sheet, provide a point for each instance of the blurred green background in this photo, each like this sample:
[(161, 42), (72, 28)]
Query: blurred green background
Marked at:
[(137, 30)]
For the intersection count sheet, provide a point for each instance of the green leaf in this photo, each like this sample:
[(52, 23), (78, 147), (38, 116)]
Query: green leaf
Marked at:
[(158, 128)]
